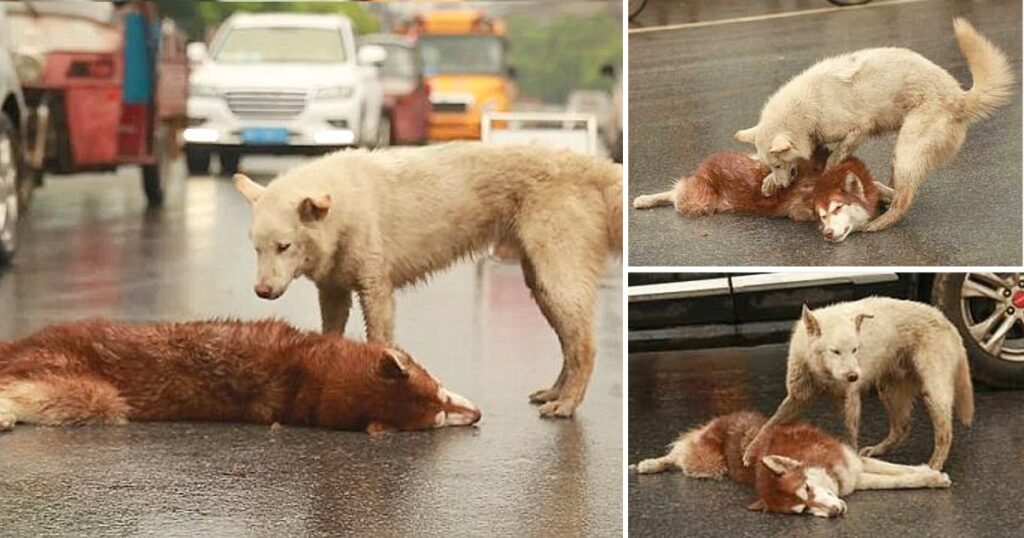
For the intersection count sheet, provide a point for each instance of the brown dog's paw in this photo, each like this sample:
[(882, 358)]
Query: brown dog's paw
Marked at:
[(558, 409), (7, 422), (544, 396)]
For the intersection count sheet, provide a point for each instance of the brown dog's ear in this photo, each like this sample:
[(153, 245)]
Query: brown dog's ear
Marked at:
[(393, 364), (853, 185), (781, 144), (312, 209), (810, 322), (746, 135), (780, 464), (249, 188), (758, 506), (860, 319)]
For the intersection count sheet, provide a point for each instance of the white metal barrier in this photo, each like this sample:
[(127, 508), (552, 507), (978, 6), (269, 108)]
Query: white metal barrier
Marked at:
[(529, 127)]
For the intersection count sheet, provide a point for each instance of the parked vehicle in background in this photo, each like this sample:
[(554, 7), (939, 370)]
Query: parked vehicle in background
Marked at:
[(15, 187), (615, 133), (699, 310), (598, 104), (465, 59), (282, 83), (406, 92), (90, 73)]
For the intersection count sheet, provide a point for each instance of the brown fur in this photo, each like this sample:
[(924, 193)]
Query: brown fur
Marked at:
[(262, 372), (829, 187)]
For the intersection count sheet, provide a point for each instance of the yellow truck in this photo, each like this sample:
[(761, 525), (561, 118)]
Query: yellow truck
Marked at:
[(465, 60)]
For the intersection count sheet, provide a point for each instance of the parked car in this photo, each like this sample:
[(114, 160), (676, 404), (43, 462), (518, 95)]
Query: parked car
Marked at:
[(406, 92), (15, 188), (282, 83), (598, 103), (697, 310)]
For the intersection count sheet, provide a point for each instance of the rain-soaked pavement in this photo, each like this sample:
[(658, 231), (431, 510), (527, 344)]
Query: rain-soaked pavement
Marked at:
[(90, 249), (672, 391), (691, 88)]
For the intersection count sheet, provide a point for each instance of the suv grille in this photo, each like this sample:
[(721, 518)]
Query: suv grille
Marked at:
[(267, 104)]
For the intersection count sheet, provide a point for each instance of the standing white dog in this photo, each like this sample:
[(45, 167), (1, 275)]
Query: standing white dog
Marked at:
[(372, 222), (903, 348), (850, 97)]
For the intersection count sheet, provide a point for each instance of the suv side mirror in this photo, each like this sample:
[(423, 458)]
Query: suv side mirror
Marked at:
[(196, 52), (371, 55)]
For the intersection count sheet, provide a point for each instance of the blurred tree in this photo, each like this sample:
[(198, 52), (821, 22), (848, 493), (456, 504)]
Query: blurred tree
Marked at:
[(196, 18), (552, 58)]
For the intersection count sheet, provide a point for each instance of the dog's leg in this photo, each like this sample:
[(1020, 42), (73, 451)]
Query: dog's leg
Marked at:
[(656, 465), (335, 304), (898, 398), (549, 394), (845, 148), (921, 479), (647, 201), (851, 415), (939, 401), (884, 192), (788, 410), (924, 142), (57, 400), (378, 302), (877, 466)]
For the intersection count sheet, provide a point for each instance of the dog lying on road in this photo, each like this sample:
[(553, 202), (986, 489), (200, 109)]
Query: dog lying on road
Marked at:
[(263, 372), (801, 470), (903, 348), (372, 222), (851, 97), (842, 199)]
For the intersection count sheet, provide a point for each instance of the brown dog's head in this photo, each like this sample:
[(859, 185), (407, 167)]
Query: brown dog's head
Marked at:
[(790, 487)]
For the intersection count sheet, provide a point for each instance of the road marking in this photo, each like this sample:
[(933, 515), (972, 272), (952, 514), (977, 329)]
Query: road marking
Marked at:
[(768, 17)]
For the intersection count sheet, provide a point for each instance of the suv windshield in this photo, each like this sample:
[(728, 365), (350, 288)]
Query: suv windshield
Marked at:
[(277, 45), (462, 54)]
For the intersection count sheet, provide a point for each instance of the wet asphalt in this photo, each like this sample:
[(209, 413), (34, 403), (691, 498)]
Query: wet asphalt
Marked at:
[(690, 89), (675, 390), (90, 248)]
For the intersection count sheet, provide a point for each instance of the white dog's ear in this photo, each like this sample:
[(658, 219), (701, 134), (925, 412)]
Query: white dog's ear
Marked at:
[(780, 464), (810, 322), (311, 209), (857, 321), (853, 185), (249, 188), (781, 144), (746, 135)]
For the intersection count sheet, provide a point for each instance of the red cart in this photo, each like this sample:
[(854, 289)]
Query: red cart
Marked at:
[(106, 85)]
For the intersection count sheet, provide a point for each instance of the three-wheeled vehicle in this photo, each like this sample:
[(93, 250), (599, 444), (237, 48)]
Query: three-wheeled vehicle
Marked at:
[(105, 84)]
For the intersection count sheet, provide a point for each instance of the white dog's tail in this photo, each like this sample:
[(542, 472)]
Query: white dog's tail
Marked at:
[(964, 393), (990, 70)]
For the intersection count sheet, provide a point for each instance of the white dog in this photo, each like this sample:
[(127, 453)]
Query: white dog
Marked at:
[(372, 222), (903, 348), (850, 97)]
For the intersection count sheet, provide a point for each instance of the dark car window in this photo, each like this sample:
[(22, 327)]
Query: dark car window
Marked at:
[(400, 62)]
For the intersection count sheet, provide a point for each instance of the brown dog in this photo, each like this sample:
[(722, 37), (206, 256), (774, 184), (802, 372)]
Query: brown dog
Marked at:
[(263, 372)]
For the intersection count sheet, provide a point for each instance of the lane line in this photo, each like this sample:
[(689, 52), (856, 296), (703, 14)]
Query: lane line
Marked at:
[(770, 16)]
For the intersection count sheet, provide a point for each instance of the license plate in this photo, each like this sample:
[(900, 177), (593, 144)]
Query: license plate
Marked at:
[(265, 135)]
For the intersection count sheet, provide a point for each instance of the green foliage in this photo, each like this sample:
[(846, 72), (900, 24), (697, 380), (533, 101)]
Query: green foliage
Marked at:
[(553, 58), (196, 17)]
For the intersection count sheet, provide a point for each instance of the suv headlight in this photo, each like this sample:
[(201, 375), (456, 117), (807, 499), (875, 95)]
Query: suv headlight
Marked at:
[(203, 90), (336, 92)]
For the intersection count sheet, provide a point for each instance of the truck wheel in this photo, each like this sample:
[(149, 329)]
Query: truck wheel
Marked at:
[(229, 163), (198, 161), (11, 175), (988, 310)]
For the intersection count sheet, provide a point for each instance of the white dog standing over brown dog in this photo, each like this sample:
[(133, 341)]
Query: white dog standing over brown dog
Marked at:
[(373, 222), (903, 348), (851, 97)]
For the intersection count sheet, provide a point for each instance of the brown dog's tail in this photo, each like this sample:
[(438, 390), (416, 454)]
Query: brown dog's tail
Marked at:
[(964, 395), (990, 70)]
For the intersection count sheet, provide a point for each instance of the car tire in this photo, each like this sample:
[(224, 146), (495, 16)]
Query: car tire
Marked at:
[(12, 173), (229, 162), (970, 300), (198, 161)]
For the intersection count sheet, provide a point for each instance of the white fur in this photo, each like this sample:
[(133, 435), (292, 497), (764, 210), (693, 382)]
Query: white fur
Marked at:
[(842, 219), (847, 99)]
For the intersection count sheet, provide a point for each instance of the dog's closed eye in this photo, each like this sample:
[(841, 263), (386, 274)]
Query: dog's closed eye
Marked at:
[(837, 208), (281, 247)]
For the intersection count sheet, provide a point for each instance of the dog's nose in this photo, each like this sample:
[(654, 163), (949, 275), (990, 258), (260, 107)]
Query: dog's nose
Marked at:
[(263, 291), (852, 377), (828, 233)]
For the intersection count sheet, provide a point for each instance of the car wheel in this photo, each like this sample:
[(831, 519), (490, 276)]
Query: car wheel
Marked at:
[(229, 163), (198, 161), (988, 310), (10, 175)]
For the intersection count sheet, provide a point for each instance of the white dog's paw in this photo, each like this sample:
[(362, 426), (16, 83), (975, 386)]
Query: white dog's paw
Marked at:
[(870, 451), (770, 184), (648, 466), (558, 409), (941, 480)]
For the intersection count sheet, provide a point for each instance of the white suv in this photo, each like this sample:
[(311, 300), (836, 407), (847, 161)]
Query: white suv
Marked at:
[(281, 83), (15, 185)]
